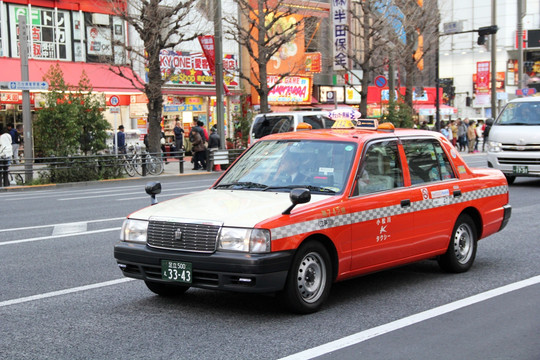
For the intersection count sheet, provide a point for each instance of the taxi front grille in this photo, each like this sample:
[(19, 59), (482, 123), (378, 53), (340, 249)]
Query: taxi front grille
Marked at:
[(183, 236)]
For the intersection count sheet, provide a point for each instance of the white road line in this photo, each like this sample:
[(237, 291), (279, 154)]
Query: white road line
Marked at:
[(57, 236), (128, 193), (159, 197), (410, 320), (52, 225), (63, 292)]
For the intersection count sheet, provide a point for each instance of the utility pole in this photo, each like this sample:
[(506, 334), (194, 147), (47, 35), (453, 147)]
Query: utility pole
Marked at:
[(520, 14), (27, 115), (218, 36), (493, 44)]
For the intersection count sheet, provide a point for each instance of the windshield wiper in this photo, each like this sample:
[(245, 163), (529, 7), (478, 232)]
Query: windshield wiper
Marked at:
[(309, 187), (243, 185)]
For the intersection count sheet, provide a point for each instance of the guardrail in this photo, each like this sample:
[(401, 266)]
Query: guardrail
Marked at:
[(221, 157), (61, 169)]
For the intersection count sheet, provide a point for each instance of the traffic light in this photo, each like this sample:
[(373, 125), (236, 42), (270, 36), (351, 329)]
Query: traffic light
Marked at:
[(486, 30)]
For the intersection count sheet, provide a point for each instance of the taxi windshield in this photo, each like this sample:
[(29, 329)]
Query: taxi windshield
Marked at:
[(278, 165)]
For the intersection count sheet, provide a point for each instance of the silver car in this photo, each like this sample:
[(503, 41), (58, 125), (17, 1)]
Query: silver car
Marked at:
[(513, 142)]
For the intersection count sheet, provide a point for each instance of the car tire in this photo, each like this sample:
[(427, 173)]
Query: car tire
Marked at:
[(461, 251), (510, 179), (166, 290), (309, 279)]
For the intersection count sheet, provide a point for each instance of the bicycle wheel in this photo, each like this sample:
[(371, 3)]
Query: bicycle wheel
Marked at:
[(154, 165), (128, 167), (137, 162)]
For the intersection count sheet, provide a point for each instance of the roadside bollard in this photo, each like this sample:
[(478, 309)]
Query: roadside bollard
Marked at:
[(4, 180), (144, 166)]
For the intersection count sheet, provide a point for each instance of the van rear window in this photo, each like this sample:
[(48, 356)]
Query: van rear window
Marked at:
[(266, 125)]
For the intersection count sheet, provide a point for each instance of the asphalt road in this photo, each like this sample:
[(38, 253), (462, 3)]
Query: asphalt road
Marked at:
[(63, 297)]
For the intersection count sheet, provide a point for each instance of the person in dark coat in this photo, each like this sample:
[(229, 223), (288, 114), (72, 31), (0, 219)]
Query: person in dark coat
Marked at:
[(214, 142), (199, 150)]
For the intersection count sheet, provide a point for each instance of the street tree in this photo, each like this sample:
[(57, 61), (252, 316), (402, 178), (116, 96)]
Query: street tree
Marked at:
[(371, 43), (71, 120), (160, 25), (266, 30), (420, 23)]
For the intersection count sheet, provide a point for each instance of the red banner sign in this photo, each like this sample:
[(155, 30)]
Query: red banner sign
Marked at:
[(482, 76)]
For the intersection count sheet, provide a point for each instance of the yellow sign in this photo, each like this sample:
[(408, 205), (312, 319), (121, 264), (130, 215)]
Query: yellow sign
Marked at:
[(343, 124)]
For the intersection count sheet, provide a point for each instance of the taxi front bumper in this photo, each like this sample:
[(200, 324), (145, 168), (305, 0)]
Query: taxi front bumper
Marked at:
[(241, 272)]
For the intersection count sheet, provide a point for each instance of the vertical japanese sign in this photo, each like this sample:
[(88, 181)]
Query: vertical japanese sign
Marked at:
[(340, 39), (482, 77), (209, 50)]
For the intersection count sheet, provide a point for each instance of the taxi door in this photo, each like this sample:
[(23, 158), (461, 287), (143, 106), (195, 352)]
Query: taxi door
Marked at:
[(382, 221), (434, 186)]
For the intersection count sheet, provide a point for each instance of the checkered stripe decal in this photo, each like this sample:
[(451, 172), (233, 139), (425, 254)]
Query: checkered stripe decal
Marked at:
[(361, 216)]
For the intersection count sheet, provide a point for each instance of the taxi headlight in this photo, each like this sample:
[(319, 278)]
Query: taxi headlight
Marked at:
[(244, 240), (134, 231), (494, 146)]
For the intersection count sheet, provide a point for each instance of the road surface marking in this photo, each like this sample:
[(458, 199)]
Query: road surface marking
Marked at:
[(63, 292), (52, 225), (410, 320), (57, 236)]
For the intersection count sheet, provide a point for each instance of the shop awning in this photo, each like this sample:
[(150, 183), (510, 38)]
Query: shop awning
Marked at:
[(431, 110), (101, 78)]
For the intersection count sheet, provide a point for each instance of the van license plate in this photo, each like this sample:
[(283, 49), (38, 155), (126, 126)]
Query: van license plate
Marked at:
[(521, 169), (176, 271)]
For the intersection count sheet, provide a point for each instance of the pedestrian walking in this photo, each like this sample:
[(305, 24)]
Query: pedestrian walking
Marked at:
[(178, 137), (199, 150), (462, 135), (214, 141), (6, 152), (471, 136), (454, 129), (16, 140), (120, 140)]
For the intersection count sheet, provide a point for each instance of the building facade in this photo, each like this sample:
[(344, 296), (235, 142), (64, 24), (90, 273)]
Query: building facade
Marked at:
[(466, 66)]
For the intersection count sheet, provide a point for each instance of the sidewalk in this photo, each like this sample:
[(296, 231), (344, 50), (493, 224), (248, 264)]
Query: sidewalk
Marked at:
[(171, 168)]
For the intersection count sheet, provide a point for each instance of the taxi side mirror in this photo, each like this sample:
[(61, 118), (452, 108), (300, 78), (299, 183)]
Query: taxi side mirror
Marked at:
[(298, 196), (153, 188)]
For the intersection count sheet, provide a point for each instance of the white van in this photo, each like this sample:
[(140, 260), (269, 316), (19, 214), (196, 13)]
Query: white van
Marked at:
[(272, 123), (513, 142)]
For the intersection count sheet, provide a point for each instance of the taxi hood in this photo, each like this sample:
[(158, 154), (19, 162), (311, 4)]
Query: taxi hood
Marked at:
[(239, 208)]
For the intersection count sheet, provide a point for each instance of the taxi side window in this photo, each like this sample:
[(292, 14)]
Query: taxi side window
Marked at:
[(380, 169), (427, 161)]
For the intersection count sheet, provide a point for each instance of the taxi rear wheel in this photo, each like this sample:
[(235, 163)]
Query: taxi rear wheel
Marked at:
[(166, 290), (309, 280), (462, 248)]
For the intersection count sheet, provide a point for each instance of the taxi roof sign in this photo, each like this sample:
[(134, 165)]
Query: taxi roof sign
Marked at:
[(367, 124), (343, 124)]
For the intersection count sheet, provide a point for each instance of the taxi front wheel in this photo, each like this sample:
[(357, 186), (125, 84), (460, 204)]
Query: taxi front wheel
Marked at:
[(309, 280), (462, 248), (165, 290)]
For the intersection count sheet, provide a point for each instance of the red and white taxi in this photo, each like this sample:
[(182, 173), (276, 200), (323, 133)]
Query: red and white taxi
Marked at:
[(299, 211)]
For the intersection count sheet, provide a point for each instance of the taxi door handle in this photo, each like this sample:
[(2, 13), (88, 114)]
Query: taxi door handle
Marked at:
[(457, 193), (405, 203)]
